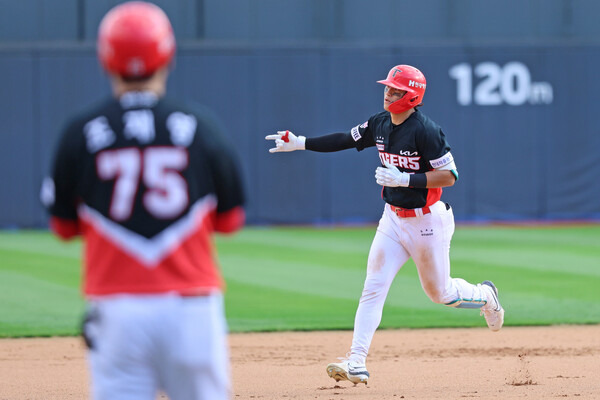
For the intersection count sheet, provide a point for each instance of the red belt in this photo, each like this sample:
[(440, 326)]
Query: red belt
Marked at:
[(198, 292), (410, 212)]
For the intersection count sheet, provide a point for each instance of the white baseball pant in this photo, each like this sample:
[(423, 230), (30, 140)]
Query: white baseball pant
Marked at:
[(146, 343), (427, 240)]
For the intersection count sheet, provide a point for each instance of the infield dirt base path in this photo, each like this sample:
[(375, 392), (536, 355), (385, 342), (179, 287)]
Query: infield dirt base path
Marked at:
[(515, 363)]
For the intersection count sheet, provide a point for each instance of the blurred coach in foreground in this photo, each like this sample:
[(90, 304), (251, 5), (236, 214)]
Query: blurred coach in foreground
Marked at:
[(146, 181)]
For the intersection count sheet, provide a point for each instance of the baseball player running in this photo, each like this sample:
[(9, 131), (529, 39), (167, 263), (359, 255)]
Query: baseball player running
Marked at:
[(416, 164), (147, 181)]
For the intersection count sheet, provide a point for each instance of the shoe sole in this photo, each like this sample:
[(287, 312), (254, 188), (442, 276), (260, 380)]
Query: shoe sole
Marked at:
[(501, 310), (340, 374), (337, 373), (495, 290)]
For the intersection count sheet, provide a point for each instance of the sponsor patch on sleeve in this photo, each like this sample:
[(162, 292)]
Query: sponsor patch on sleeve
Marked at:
[(443, 160), (356, 133)]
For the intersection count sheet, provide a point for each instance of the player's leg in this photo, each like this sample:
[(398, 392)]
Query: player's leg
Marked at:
[(430, 249), (195, 359), (120, 357), (386, 257)]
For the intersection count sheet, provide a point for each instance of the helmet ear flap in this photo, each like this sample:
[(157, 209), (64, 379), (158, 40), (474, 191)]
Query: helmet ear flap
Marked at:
[(405, 103)]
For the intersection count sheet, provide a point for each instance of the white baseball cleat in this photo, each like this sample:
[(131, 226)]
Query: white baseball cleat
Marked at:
[(493, 313), (348, 370)]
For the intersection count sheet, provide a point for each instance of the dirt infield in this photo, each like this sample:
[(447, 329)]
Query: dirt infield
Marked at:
[(515, 363)]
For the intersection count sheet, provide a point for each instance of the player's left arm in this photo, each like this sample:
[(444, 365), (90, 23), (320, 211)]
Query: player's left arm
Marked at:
[(437, 155), (445, 173), (230, 215), (439, 179)]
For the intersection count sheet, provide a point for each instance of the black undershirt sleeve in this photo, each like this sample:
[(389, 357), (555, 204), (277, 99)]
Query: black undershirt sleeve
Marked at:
[(330, 143)]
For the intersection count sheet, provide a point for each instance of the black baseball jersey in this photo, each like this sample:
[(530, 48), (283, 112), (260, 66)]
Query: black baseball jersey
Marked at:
[(146, 178), (417, 145)]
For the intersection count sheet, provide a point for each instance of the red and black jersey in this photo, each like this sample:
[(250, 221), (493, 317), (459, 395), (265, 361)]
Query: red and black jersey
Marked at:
[(146, 181), (417, 145)]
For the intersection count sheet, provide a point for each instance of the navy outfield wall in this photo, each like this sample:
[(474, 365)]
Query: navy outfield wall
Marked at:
[(521, 121)]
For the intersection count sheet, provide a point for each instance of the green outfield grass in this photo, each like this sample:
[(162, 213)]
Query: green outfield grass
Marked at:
[(309, 279)]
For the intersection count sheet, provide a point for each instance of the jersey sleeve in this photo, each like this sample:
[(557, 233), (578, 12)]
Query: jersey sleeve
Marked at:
[(363, 135), (330, 143), (435, 148), (228, 181), (59, 191), (230, 215), (225, 169)]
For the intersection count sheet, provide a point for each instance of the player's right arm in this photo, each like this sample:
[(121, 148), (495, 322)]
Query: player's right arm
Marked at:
[(287, 141), (59, 191), (359, 137)]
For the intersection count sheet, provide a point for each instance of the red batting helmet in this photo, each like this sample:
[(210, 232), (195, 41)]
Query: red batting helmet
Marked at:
[(410, 79), (135, 39)]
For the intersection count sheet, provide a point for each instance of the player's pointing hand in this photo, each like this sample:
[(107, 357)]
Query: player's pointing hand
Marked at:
[(391, 176), (286, 141)]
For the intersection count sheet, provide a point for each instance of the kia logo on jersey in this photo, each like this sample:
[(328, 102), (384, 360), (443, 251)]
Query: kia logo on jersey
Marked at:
[(408, 153), (400, 161)]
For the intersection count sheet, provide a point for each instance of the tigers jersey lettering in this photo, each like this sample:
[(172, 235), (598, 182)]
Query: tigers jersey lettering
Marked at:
[(403, 162)]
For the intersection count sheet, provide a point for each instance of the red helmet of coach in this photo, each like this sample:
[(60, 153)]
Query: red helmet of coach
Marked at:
[(409, 79), (135, 39)]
